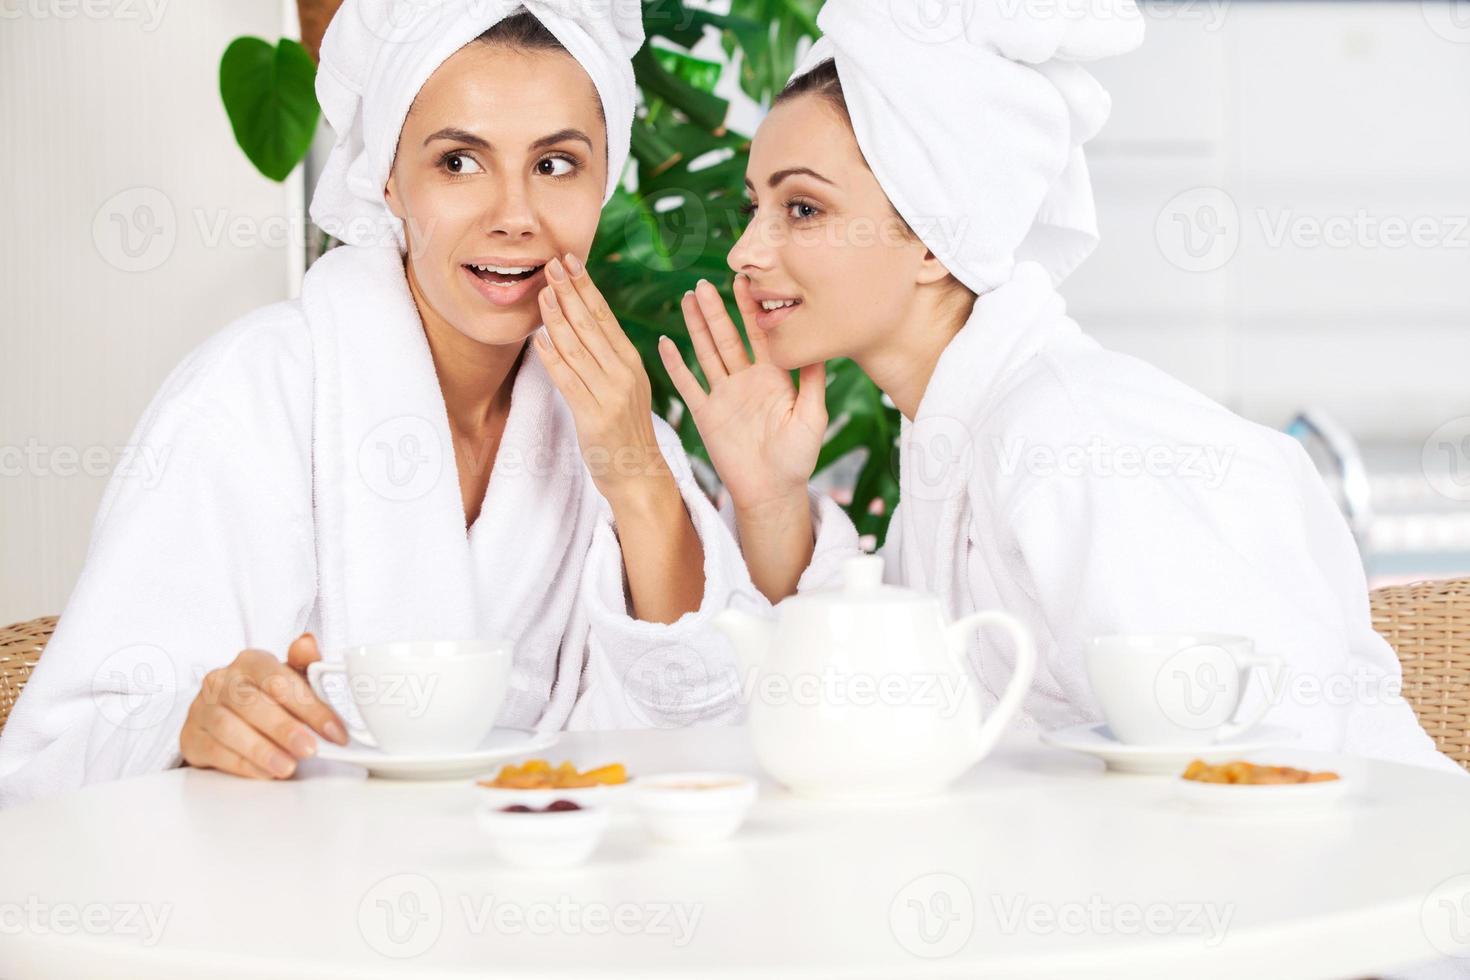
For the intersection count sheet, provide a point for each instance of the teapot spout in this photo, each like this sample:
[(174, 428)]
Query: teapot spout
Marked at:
[(749, 634)]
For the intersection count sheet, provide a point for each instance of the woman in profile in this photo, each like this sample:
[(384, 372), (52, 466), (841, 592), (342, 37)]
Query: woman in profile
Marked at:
[(917, 192), (383, 459)]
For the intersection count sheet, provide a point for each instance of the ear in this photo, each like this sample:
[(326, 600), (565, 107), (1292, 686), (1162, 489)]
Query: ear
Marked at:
[(930, 270), (390, 196)]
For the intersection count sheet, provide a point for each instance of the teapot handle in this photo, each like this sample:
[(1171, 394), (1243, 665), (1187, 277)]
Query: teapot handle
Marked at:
[(1015, 692)]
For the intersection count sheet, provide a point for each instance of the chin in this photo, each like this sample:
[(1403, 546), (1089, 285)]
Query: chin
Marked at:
[(790, 357), (501, 328)]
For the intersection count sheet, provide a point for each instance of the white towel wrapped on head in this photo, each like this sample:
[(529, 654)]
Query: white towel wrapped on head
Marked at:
[(973, 122), (377, 55)]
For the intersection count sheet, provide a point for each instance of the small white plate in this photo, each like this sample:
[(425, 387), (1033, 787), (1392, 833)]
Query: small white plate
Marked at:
[(501, 743), (1162, 760), (1266, 800)]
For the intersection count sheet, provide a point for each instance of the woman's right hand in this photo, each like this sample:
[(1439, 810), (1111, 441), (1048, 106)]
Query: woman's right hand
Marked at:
[(762, 434), (256, 717)]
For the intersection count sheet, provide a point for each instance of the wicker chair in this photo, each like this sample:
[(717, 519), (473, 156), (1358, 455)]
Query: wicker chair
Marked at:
[(20, 649), (1428, 625)]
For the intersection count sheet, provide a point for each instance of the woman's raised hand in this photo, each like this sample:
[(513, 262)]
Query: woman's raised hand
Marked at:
[(762, 433), (256, 717), (599, 373)]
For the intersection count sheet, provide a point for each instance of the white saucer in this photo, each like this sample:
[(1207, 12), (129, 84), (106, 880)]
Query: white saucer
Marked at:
[(1170, 760), (501, 743)]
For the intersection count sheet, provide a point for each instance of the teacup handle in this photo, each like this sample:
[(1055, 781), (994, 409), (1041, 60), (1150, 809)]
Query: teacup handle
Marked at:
[(1015, 692), (1237, 726), (314, 672)]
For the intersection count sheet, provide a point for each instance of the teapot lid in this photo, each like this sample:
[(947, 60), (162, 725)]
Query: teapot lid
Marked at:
[(862, 583)]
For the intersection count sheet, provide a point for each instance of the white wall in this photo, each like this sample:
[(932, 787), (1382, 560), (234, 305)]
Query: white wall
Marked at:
[(100, 117), (1304, 116)]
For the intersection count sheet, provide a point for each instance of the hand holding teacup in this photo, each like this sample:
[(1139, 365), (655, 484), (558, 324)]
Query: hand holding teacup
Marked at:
[(256, 717)]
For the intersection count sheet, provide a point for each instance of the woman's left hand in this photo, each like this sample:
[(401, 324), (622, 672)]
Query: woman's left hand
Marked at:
[(599, 373)]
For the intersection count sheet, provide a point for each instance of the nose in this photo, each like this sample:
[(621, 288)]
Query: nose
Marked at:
[(511, 216), (752, 251)]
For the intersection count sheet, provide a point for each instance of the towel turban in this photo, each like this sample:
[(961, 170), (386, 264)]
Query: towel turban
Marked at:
[(972, 115), (377, 54)]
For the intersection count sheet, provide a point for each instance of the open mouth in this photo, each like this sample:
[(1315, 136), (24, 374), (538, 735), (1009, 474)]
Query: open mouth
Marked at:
[(769, 305), (503, 275)]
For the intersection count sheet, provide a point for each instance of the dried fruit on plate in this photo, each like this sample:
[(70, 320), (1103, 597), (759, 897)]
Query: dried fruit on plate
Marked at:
[(539, 774), (1249, 774)]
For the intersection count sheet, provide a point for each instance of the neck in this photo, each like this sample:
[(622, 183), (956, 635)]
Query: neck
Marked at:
[(904, 361), (476, 379)]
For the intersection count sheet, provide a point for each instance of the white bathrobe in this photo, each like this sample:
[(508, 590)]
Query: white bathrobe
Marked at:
[(309, 483), (1087, 493)]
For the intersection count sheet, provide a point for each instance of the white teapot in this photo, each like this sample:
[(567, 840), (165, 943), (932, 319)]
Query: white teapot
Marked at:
[(863, 692)]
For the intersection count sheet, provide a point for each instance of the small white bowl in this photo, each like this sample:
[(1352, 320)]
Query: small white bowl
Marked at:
[(559, 839), (604, 795), (677, 812)]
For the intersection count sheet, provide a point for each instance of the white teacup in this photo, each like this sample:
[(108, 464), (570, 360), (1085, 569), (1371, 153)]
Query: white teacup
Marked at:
[(422, 697), (1175, 688)]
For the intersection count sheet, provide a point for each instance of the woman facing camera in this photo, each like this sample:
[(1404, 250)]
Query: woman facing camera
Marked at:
[(383, 459), (917, 192)]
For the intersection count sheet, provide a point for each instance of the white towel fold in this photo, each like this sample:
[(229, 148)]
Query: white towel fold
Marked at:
[(973, 122)]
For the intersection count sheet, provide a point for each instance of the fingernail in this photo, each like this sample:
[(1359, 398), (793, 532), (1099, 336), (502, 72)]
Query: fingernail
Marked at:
[(549, 296), (303, 744), (281, 764), (335, 733), (574, 264), (555, 271)]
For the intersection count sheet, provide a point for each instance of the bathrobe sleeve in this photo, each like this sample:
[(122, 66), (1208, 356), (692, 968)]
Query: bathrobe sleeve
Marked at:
[(645, 674), (201, 548), (1233, 533)]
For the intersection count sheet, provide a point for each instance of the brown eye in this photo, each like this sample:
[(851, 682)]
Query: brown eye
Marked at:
[(460, 164), (555, 167)]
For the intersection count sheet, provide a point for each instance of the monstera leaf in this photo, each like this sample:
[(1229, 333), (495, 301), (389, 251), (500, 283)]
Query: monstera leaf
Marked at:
[(269, 94)]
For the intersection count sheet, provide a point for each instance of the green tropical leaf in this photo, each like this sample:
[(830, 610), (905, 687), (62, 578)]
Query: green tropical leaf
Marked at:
[(270, 96)]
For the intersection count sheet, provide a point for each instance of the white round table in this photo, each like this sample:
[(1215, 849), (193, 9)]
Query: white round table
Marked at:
[(1036, 864)]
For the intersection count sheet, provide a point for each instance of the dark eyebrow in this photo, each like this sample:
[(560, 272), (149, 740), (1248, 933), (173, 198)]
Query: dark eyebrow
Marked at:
[(458, 136), (561, 136), (480, 143), (781, 175)]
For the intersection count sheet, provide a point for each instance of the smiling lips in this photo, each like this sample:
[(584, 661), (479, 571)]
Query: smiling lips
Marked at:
[(773, 310), (503, 281)]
